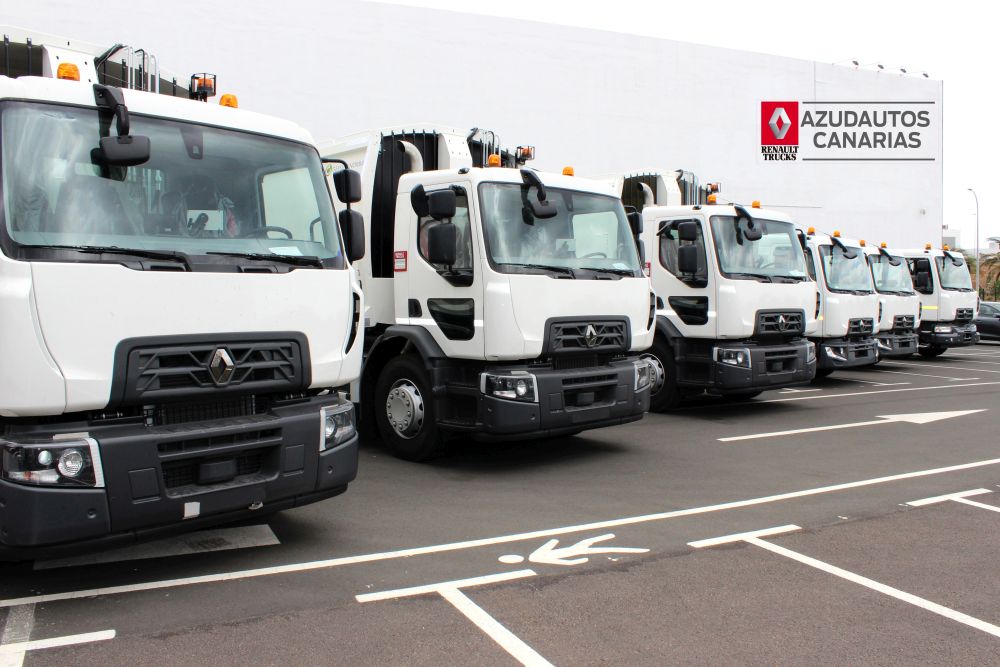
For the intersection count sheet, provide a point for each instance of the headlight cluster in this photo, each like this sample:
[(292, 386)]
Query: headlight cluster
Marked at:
[(643, 374), (514, 386), (810, 352), (942, 328), (733, 356), (337, 424), (62, 461), (836, 352)]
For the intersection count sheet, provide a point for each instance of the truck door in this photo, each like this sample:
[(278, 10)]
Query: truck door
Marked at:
[(688, 295), (447, 301)]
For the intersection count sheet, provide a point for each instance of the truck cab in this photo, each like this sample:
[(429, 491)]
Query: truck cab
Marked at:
[(898, 303), (846, 306), (178, 307), (503, 302), (948, 301), (734, 298)]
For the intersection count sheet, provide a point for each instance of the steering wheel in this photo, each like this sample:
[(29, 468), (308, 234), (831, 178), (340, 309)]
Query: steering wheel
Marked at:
[(261, 232), (598, 254)]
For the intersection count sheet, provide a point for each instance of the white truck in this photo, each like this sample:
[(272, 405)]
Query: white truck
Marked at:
[(846, 306), (948, 301), (178, 305), (898, 303), (734, 299), (502, 302)]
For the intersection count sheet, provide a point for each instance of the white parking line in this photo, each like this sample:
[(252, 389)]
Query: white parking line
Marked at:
[(883, 384), (959, 497), (17, 630), (471, 544), (925, 375), (943, 366), (203, 541), (55, 642), (873, 392)]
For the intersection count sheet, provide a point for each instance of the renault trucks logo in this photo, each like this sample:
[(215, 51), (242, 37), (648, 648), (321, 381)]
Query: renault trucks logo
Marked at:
[(590, 336), (221, 367), (782, 322), (779, 130)]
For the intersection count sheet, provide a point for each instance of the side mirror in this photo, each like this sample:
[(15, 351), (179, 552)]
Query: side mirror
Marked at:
[(752, 231), (128, 151), (922, 280), (635, 222), (543, 210), (347, 183), (352, 226), (442, 244), (641, 247), (687, 259), (441, 204), (687, 231)]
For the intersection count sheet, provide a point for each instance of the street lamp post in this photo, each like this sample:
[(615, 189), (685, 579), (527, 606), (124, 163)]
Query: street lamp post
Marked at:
[(977, 239)]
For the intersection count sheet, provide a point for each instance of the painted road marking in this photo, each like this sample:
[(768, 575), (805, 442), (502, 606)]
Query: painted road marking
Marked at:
[(916, 418), (575, 554), (452, 592), (925, 375), (872, 393), (792, 390), (17, 630), (471, 544), (55, 642), (743, 537), (960, 497), (754, 538), (203, 541), (918, 364), (882, 384)]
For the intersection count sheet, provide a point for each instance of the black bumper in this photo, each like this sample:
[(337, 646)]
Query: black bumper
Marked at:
[(845, 352), (960, 335), (771, 367), (152, 477), (894, 344), (568, 401)]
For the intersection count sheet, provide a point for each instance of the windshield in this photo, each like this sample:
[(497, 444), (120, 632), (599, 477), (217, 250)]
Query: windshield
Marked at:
[(888, 278), (204, 190), (589, 231), (775, 254), (845, 274), (954, 277)]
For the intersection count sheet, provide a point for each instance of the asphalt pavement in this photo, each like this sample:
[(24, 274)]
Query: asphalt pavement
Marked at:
[(852, 521)]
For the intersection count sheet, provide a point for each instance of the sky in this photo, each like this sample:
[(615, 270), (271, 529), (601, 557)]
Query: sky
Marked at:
[(951, 42)]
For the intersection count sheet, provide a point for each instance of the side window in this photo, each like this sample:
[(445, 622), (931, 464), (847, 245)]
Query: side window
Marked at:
[(463, 258), (669, 242), (810, 264)]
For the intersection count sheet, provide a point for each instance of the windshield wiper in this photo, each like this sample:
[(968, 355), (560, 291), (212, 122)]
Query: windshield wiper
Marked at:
[(763, 277), (297, 260), (170, 255), (617, 272), (545, 267)]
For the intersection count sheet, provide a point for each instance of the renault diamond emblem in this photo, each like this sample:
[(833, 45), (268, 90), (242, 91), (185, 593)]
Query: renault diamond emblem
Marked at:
[(590, 336), (782, 323), (221, 367)]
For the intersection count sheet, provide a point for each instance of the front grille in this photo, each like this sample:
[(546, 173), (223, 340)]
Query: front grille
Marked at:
[(779, 323), (862, 326), (170, 371), (589, 379), (169, 414), (904, 323), (587, 336), (964, 315), (263, 436)]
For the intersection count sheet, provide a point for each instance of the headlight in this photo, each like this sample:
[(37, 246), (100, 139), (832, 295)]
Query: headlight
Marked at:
[(643, 374), (61, 461), (883, 344), (942, 328), (337, 424), (514, 386), (733, 356), (811, 352), (838, 353)]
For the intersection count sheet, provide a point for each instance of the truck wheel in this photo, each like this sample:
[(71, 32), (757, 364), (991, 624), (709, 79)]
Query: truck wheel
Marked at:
[(404, 410), (663, 394), (931, 351)]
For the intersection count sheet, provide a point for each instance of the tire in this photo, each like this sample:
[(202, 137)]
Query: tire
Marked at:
[(931, 351), (823, 372), (664, 395), (403, 394)]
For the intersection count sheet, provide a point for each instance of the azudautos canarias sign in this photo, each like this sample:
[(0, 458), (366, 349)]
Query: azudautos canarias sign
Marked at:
[(817, 131)]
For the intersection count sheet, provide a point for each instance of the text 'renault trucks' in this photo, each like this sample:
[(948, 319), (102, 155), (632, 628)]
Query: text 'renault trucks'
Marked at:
[(846, 307), (948, 302), (178, 311), (734, 298), (502, 301), (898, 303)]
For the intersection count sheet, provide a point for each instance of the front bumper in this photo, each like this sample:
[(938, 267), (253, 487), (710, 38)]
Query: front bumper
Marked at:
[(893, 344), (845, 352), (960, 335), (771, 367), (568, 401), (154, 480)]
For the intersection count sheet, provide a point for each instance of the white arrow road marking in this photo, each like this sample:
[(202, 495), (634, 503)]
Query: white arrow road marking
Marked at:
[(916, 418), (451, 591), (753, 538), (577, 553), (959, 497), (17, 630)]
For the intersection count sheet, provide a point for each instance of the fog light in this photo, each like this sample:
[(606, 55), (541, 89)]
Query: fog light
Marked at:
[(70, 463), (733, 356), (521, 388)]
